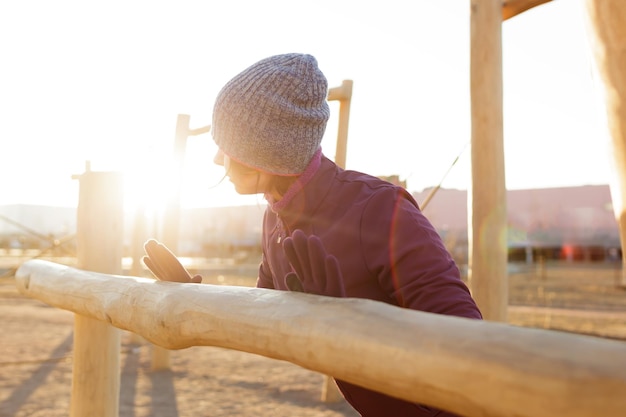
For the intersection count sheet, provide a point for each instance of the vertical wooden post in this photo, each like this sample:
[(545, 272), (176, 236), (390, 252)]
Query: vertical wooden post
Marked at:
[(343, 94), (96, 368), (171, 221), (139, 236), (608, 41), (487, 240), (330, 391)]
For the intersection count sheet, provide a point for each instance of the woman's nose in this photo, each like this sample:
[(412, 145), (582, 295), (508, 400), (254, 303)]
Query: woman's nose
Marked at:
[(218, 159)]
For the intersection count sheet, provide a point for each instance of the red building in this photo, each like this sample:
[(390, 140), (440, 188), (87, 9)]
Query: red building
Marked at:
[(571, 223)]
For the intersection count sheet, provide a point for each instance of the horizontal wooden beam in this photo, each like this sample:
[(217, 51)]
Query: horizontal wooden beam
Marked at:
[(342, 92), (471, 367), (511, 8)]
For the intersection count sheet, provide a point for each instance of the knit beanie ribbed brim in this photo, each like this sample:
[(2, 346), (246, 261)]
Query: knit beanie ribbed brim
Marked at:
[(272, 116)]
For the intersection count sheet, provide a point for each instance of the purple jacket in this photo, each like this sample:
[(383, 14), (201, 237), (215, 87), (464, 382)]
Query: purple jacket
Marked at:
[(387, 250)]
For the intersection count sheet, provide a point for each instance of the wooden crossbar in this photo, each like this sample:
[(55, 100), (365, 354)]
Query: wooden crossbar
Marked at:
[(473, 368)]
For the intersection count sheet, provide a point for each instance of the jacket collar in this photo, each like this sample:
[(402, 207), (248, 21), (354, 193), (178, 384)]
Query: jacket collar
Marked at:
[(307, 193)]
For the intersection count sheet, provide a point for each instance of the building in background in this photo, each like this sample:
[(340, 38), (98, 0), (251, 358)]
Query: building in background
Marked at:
[(569, 223)]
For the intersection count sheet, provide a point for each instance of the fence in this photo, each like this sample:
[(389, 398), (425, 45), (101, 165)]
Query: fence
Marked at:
[(470, 367), (474, 368)]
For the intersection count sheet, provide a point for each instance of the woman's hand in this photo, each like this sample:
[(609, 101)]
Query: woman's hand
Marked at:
[(164, 265), (315, 271)]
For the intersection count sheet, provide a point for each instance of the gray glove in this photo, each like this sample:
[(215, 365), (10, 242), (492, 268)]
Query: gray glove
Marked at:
[(315, 271), (164, 265)]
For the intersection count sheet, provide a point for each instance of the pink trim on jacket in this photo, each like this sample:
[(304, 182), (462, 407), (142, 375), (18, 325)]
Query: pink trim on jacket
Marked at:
[(302, 180)]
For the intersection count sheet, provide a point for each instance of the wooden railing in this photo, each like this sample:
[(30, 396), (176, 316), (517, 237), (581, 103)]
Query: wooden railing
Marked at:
[(473, 368)]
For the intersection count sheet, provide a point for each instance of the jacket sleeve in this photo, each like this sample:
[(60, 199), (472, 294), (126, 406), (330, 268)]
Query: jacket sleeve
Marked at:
[(264, 280), (408, 257)]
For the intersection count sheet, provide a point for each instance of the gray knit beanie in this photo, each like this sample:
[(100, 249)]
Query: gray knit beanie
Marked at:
[(272, 116)]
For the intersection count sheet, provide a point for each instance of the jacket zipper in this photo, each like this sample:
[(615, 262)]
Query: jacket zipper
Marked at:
[(280, 230)]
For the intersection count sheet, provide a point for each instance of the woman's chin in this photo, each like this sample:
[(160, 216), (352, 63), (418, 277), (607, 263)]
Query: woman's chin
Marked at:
[(244, 191)]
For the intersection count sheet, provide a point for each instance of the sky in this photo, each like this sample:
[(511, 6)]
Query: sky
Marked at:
[(104, 82)]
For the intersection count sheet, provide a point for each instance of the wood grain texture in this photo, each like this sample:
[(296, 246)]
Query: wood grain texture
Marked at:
[(470, 367)]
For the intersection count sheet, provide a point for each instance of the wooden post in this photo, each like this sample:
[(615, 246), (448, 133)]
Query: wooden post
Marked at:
[(469, 367), (171, 222), (96, 367), (171, 218), (487, 273), (140, 235), (330, 391), (343, 94), (172, 212), (608, 41)]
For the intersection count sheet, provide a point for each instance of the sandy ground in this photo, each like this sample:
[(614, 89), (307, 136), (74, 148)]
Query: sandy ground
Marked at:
[(36, 363)]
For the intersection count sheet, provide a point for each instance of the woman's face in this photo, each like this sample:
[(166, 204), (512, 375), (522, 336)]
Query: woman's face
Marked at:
[(245, 179)]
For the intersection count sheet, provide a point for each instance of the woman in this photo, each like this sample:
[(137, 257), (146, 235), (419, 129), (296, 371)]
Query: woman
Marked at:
[(326, 230)]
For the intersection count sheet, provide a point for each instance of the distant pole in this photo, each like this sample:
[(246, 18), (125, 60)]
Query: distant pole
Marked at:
[(96, 362), (171, 222), (343, 94), (172, 210), (139, 236), (608, 40), (487, 241), (171, 218)]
